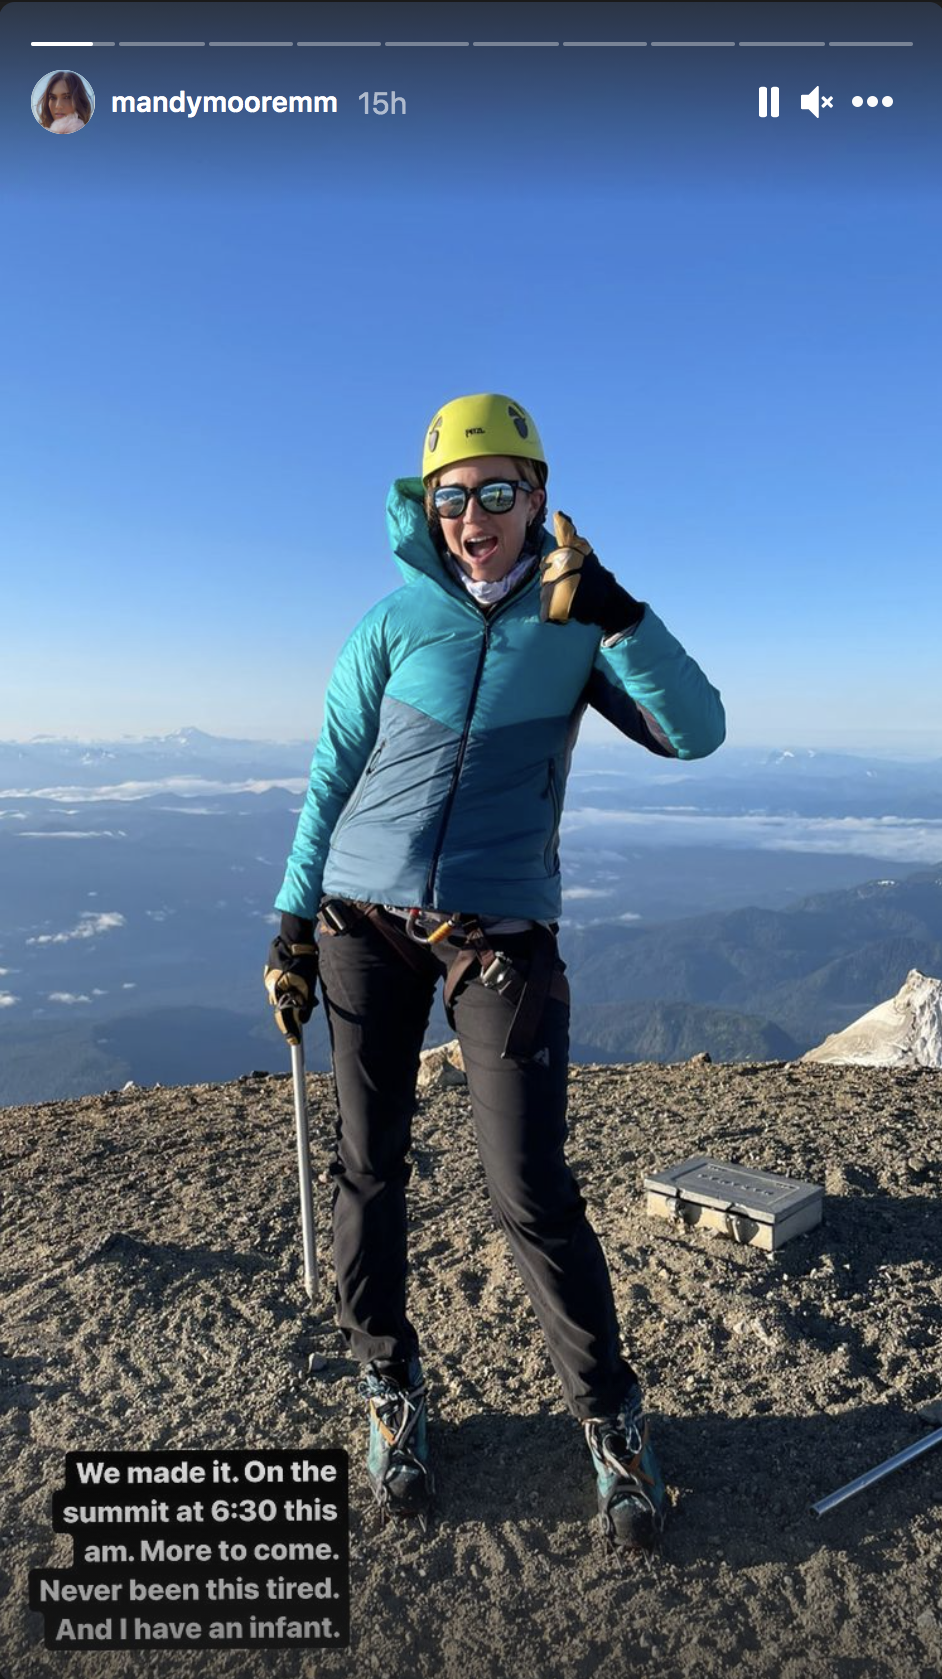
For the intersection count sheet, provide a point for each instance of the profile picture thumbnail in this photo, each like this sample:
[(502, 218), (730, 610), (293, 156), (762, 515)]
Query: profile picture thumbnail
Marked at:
[(63, 102)]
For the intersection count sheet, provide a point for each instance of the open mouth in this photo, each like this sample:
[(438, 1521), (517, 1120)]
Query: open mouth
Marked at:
[(480, 547)]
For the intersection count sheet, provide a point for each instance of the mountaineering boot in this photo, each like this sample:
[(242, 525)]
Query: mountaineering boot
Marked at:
[(398, 1464), (632, 1499)]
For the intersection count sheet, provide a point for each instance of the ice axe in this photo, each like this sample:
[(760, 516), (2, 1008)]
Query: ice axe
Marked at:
[(308, 1237)]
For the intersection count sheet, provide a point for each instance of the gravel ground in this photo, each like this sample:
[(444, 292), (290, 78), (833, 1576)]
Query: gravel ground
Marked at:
[(149, 1267)]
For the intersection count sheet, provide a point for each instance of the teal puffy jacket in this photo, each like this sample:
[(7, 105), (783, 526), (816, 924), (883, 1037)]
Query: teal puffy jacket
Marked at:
[(440, 771)]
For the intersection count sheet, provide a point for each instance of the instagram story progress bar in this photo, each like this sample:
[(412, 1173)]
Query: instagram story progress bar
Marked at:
[(400, 43)]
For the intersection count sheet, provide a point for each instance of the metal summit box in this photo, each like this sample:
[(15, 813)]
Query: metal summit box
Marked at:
[(761, 1209)]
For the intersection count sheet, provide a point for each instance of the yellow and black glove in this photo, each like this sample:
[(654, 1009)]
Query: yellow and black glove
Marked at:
[(575, 584), (291, 975)]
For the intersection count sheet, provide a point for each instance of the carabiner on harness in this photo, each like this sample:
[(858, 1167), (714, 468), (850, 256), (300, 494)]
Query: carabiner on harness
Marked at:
[(446, 925), (500, 975)]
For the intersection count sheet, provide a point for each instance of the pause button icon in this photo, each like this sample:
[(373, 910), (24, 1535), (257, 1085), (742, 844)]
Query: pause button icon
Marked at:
[(764, 110)]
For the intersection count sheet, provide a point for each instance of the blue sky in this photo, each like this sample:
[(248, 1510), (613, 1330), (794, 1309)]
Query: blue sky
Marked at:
[(228, 340)]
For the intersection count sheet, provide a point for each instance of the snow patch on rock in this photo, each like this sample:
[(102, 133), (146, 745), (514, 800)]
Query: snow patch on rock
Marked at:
[(905, 1031)]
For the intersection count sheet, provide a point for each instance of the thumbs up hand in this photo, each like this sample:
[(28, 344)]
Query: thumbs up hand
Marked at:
[(575, 584)]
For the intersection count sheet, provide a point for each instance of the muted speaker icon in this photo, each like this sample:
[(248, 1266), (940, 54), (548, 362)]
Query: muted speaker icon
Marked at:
[(810, 101)]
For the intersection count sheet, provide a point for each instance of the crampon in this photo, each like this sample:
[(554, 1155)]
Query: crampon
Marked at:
[(632, 1500), (398, 1466)]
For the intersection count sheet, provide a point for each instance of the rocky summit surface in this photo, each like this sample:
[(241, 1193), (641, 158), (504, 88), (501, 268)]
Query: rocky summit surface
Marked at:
[(152, 1299)]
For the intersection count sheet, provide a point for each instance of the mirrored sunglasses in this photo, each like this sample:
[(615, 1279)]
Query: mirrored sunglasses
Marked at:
[(496, 496)]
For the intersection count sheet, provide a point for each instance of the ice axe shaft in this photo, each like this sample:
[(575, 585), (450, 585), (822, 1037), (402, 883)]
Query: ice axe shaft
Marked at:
[(311, 1279), (873, 1475)]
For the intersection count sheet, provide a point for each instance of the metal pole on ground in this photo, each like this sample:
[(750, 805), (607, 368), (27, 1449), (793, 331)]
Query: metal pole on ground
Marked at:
[(871, 1476)]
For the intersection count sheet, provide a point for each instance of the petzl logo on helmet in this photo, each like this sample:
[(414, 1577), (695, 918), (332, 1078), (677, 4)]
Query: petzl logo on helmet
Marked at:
[(434, 435), (474, 431), (519, 420)]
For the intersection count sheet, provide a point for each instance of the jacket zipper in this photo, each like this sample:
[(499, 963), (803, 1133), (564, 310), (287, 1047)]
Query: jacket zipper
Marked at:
[(465, 735), (456, 772)]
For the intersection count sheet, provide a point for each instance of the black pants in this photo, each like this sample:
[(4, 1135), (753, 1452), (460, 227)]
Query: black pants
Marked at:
[(377, 1012)]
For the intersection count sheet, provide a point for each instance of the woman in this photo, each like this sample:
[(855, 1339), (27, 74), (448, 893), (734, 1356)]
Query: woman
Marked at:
[(65, 106), (431, 828)]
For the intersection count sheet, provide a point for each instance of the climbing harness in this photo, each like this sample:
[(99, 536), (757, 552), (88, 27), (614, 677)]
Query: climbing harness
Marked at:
[(544, 977)]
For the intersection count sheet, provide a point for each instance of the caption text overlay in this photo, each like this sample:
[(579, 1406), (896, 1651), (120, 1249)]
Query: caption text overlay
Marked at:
[(200, 1550)]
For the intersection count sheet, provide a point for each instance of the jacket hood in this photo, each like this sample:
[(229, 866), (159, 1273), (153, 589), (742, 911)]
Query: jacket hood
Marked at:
[(409, 533), (411, 540)]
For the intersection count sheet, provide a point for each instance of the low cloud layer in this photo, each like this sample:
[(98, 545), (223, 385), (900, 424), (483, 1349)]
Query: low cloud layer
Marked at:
[(72, 833), (90, 925), (905, 839), (185, 785)]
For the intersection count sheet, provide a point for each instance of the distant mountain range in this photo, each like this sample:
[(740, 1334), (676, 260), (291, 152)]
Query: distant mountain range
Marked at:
[(736, 781), (751, 985), (52, 762), (137, 879), (616, 1032), (736, 980)]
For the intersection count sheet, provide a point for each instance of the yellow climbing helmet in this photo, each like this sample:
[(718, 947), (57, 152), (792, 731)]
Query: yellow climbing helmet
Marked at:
[(472, 426)]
